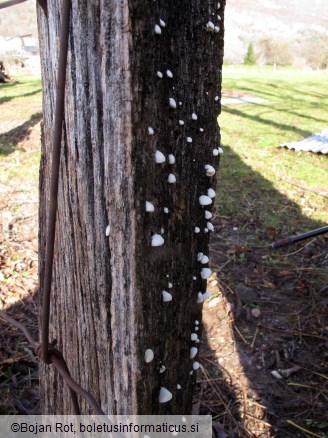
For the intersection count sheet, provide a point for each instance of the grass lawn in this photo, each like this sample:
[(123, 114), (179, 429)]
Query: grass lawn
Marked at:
[(260, 183)]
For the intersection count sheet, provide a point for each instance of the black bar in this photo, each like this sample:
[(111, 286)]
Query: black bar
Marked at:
[(290, 240)]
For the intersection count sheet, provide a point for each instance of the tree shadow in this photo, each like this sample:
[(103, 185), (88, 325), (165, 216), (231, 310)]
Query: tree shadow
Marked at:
[(265, 328), (10, 139), (9, 98)]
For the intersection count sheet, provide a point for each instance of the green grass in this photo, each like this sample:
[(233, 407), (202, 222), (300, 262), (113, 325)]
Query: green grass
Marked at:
[(261, 183), (20, 105)]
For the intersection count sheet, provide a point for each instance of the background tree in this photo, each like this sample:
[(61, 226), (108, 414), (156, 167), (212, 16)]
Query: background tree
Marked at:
[(250, 58), (275, 52), (142, 99)]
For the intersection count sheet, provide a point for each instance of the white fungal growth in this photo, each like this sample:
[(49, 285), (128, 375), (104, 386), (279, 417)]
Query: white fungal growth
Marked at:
[(205, 200), (157, 240), (204, 259), (210, 26), (199, 256), (193, 336), (157, 29), (189, 140), (162, 23), (206, 295), (219, 17), (172, 103), (210, 226), (208, 214), (150, 207), (169, 74), (150, 130), (196, 322), (170, 285), (196, 329), (205, 273), (162, 369), (220, 151), (215, 152), (159, 157), (195, 366), (219, 5), (149, 355), (211, 193), (216, 29), (166, 210), (199, 299), (178, 386), (171, 179), (164, 395), (205, 230), (162, 230), (210, 171), (171, 159), (194, 116), (166, 296), (201, 129), (181, 122), (193, 352), (194, 278), (216, 98), (159, 74), (107, 230), (197, 230), (191, 372)]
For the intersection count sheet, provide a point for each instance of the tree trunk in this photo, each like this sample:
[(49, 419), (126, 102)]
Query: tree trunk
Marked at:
[(107, 302)]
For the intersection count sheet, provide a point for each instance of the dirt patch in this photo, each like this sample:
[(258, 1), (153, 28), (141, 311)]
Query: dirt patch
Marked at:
[(265, 338)]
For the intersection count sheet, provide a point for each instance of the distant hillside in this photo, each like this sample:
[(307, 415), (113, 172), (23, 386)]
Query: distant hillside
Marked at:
[(19, 20), (289, 20)]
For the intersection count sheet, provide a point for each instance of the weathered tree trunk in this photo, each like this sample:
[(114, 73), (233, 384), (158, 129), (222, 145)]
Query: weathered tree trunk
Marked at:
[(107, 302)]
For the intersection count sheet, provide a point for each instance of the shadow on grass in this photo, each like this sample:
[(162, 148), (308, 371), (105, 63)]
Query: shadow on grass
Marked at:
[(266, 331), (9, 98), (9, 140)]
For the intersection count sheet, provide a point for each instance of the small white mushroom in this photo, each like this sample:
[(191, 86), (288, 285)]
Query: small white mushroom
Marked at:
[(171, 179), (205, 230), (201, 129), (194, 116), (178, 386), (162, 369), (189, 140), (208, 214), (181, 122), (162, 23), (107, 230), (211, 193), (157, 240), (164, 395), (216, 29), (171, 159), (172, 103), (210, 171), (150, 207), (157, 29), (170, 285), (169, 74), (193, 336), (150, 130), (196, 329), (194, 278), (166, 296), (205, 200), (206, 295), (216, 98), (205, 273), (199, 256), (149, 355), (199, 298), (159, 157), (197, 230), (166, 210), (204, 259), (219, 5), (210, 226), (196, 322), (215, 152), (195, 366), (159, 74), (220, 151), (193, 352), (210, 26)]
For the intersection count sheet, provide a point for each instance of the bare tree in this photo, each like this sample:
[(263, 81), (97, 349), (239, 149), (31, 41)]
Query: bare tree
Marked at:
[(140, 140), (274, 52)]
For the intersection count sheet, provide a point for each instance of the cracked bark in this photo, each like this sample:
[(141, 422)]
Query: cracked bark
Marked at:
[(107, 306)]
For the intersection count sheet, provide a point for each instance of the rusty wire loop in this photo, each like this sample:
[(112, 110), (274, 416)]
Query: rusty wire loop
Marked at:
[(45, 350)]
